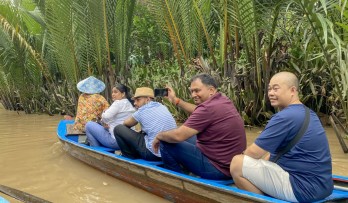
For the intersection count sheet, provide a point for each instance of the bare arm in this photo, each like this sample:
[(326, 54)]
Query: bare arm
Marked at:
[(255, 151), (188, 107), (173, 136), (130, 122), (177, 135)]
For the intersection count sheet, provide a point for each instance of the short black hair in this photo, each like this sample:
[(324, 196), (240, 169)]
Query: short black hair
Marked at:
[(206, 79)]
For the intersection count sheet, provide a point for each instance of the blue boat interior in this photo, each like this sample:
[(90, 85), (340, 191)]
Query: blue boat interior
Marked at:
[(338, 195)]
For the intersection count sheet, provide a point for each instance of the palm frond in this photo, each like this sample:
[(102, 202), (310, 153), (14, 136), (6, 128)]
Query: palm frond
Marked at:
[(11, 31), (331, 46), (123, 19), (204, 27), (247, 24), (60, 38)]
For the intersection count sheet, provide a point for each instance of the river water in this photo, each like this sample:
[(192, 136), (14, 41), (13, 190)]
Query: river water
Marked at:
[(32, 160)]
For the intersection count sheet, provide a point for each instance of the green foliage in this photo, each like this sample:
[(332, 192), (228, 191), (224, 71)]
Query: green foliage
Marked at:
[(330, 47), (78, 49), (342, 21), (150, 43), (46, 47), (159, 74), (123, 21), (21, 69)]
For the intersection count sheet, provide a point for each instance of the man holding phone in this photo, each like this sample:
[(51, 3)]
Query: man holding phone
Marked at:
[(153, 118), (161, 92), (216, 125)]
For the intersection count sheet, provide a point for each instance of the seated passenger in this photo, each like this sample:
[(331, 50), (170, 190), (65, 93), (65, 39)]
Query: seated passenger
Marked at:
[(219, 129), (304, 172), (153, 118), (120, 109), (90, 105)]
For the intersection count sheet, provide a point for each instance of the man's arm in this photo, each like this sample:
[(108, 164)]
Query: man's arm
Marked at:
[(255, 151), (177, 135), (130, 122), (188, 107), (173, 136)]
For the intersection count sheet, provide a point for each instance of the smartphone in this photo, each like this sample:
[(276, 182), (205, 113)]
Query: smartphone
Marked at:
[(161, 92)]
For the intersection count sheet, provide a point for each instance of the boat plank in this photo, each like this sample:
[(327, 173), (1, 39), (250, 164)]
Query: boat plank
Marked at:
[(166, 180)]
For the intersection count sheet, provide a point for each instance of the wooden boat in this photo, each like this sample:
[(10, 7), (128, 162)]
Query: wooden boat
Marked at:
[(3, 200), (173, 186), (19, 195)]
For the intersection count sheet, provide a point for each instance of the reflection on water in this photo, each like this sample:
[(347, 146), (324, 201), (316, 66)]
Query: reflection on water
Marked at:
[(32, 160)]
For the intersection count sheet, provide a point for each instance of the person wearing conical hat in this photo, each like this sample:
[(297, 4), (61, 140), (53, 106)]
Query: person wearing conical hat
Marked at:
[(91, 104)]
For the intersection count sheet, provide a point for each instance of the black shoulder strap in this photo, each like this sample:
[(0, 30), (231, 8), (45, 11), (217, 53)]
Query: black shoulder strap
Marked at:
[(293, 142)]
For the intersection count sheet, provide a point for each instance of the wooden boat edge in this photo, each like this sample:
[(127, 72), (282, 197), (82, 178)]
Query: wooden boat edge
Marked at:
[(183, 189)]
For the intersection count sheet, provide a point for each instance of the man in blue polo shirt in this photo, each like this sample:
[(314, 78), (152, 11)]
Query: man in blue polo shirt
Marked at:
[(153, 118), (304, 173)]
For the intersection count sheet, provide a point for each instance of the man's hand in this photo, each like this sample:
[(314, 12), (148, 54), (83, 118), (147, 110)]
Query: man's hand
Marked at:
[(171, 94), (188, 107), (130, 122), (255, 151), (106, 126), (155, 144), (68, 117), (267, 156)]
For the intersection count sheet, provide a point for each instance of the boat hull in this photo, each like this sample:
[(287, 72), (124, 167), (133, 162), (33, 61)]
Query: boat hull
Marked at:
[(157, 182), (150, 176)]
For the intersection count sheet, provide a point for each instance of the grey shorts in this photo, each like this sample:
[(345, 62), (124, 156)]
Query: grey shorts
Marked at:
[(269, 178)]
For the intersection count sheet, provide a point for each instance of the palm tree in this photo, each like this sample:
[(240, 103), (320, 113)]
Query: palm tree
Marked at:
[(74, 39), (84, 34), (251, 40), (243, 41), (22, 68)]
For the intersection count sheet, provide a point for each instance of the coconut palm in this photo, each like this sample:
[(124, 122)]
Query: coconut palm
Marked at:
[(22, 69), (243, 41), (84, 34), (74, 39)]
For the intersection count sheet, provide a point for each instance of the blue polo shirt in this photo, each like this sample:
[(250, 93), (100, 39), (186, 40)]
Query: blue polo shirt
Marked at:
[(154, 118), (309, 161)]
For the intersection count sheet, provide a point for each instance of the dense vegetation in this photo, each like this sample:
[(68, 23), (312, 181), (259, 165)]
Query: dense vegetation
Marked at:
[(46, 47)]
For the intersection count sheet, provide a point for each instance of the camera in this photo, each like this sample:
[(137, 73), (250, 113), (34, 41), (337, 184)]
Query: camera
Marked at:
[(161, 92)]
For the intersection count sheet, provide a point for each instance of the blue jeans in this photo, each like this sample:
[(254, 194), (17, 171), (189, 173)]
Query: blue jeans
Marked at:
[(186, 154), (97, 136)]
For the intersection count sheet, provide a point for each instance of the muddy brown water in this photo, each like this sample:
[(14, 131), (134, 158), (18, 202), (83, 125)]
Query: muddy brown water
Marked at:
[(32, 160)]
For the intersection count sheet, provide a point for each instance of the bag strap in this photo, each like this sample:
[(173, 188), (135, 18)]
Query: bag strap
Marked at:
[(293, 142)]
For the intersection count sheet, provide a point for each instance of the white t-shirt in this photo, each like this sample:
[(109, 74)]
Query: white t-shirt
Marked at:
[(119, 111)]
